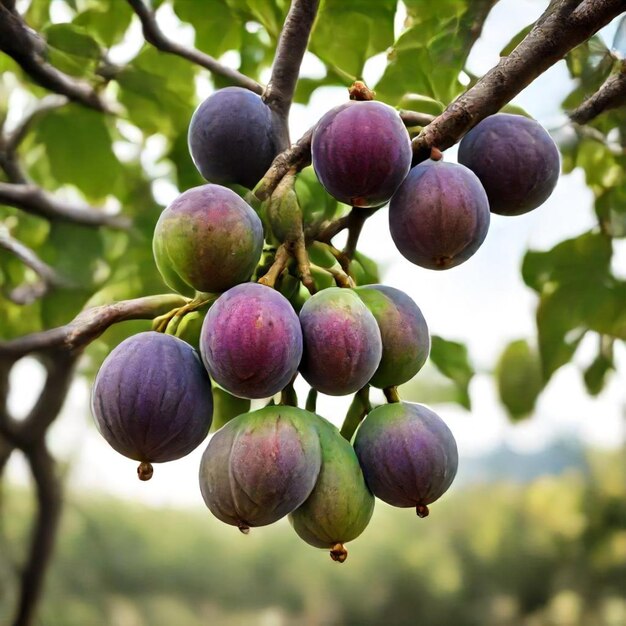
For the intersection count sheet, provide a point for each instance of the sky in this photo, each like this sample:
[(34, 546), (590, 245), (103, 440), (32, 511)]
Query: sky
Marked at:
[(483, 302)]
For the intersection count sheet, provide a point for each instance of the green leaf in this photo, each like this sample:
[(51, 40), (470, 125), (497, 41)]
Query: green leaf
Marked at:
[(452, 360), (158, 92), (583, 259), (217, 27), (595, 376), (364, 270), (517, 39), (348, 32), (73, 40), (519, 379), (79, 150), (107, 22)]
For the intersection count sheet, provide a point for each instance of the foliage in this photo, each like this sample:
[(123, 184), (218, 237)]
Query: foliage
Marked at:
[(551, 551)]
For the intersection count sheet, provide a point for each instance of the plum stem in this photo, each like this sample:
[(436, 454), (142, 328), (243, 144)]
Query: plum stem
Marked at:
[(357, 411), (338, 553), (304, 264), (422, 511), (280, 262), (340, 277), (161, 323), (360, 92), (288, 396), (391, 393), (311, 401), (145, 471), (357, 218)]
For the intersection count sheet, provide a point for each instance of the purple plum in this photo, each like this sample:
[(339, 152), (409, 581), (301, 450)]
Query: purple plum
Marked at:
[(251, 341), (361, 152), (261, 466), (408, 455), (404, 332), (207, 240), (233, 137), (152, 399), (439, 216), (342, 344), (515, 159)]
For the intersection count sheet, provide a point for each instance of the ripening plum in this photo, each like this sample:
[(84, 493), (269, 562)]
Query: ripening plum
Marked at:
[(152, 399), (261, 466), (340, 505), (361, 152), (208, 240), (515, 159), (408, 455), (439, 216), (251, 341), (233, 137), (404, 332), (342, 344)]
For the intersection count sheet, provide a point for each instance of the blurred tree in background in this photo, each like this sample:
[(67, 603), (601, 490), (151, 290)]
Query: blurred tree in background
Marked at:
[(86, 140)]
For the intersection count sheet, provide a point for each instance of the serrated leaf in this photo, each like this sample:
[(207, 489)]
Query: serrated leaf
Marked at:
[(519, 379), (452, 360)]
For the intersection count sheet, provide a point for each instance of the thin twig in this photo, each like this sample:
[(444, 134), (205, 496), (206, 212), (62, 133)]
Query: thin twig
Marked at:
[(556, 33), (154, 35), (49, 278), (89, 324), (36, 201), (611, 95), (28, 50)]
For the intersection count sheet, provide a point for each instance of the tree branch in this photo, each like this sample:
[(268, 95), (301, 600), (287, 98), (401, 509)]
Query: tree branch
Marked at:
[(611, 95), (36, 201), (154, 35), (28, 50), (552, 37), (292, 44), (89, 324), (49, 279), (414, 118), (44, 472), (296, 157)]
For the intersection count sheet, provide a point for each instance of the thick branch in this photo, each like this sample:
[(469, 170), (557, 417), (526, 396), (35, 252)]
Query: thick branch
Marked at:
[(35, 200), (611, 95), (28, 49), (292, 45), (44, 471), (552, 37), (48, 275), (154, 35), (88, 325)]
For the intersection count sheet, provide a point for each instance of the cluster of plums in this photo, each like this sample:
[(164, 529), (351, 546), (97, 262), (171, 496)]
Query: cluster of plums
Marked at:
[(153, 396)]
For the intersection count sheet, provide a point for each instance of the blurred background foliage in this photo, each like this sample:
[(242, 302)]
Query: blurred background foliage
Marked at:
[(520, 548)]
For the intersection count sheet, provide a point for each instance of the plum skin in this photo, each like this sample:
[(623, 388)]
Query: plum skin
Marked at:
[(152, 399), (342, 343), (261, 466), (340, 505), (361, 152), (408, 455), (516, 160), (251, 341), (439, 216), (208, 240), (232, 137), (404, 332)]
